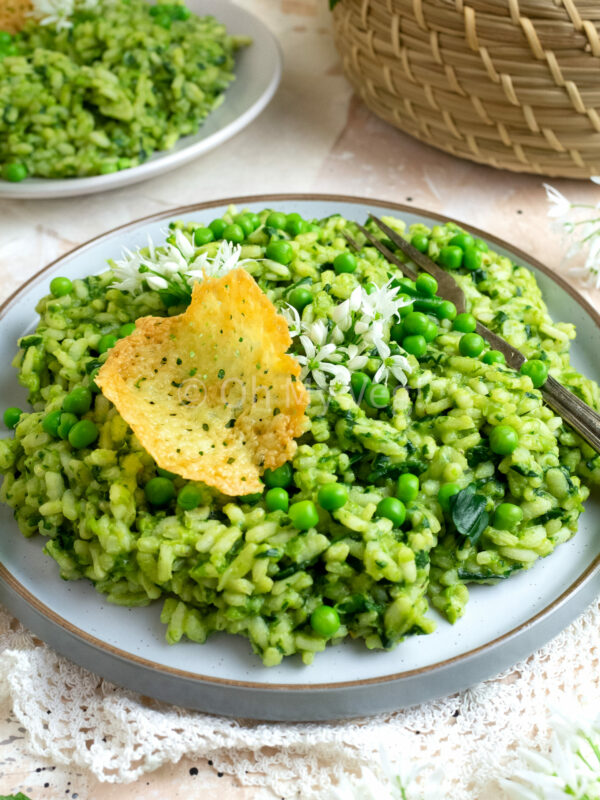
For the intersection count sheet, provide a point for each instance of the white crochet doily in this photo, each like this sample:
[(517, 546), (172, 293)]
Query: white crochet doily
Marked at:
[(74, 718)]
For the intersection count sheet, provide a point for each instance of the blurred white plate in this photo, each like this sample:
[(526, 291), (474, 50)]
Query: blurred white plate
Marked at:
[(258, 73), (502, 623)]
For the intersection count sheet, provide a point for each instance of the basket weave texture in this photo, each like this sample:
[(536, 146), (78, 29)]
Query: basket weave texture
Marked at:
[(510, 83)]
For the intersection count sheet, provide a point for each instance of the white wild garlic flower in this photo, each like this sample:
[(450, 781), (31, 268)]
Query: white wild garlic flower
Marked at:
[(580, 225)]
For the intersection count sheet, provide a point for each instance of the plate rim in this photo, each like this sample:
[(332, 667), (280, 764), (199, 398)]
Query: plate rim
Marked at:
[(490, 646), (63, 188)]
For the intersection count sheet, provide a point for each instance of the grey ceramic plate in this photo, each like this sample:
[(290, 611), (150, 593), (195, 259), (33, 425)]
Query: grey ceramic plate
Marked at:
[(503, 623), (258, 73)]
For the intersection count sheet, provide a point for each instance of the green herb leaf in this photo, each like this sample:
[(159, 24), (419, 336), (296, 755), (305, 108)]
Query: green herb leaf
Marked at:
[(332, 4), (468, 513), (19, 796)]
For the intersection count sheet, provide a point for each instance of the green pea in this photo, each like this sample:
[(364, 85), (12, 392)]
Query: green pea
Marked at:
[(416, 323), (431, 331), (493, 357), (408, 307), (61, 286), (277, 499), (473, 258), (189, 497), (446, 491), (164, 473), (451, 257), (78, 402), (164, 20), (471, 345), (304, 515), (217, 226), (234, 233), (393, 509), (408, 487), (66, 422), (181, 13), (280, 251), (420, 242), (246, 223), (295, 225), (51, 422), (504, 440), (14, 172), (377, 395), (332, 496), (12, 416), (106, 342), (5, 38), (280, 477), (481, 245), (325, 621), (345, 262), (462, 240), (426, 284), (397, 332), (203, 236), (416, 345), (507, 516), (126, 330), (83, 434), (300, 297), (276, 219), (159, 491), (447, 310), (359, 383), (465, 323), (536, 370)]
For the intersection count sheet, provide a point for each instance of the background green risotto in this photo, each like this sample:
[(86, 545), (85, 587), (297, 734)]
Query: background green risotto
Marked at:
[(126, 79), (427, 464)]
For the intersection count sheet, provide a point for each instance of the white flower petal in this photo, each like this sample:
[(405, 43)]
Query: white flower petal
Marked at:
[(560, 206), (156, 282), (184, 244)]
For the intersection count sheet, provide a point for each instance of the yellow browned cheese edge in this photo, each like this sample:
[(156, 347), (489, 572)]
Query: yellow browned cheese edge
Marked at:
[(14, 14), (114, 387)]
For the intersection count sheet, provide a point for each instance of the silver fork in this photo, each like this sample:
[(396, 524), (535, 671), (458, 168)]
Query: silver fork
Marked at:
[(578, 414)]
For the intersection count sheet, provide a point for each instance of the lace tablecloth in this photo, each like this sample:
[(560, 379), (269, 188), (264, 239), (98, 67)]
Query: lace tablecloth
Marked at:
[(71, 717)]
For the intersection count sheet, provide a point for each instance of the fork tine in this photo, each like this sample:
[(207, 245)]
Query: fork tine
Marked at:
[(449, 288), (352, 242), (387, 253)]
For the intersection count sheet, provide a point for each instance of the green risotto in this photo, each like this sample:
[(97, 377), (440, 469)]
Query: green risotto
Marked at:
[(427, 464), (124, 80)]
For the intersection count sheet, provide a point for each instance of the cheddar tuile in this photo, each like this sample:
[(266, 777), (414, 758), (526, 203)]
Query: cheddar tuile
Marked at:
[(14, 14), (211, 394)]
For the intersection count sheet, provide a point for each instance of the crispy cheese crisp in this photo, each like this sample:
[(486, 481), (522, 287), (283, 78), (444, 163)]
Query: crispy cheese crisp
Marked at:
[(13, 14), (211, 394)]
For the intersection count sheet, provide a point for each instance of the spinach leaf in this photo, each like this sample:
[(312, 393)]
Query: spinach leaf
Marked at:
[(478, 454), (467, 510)]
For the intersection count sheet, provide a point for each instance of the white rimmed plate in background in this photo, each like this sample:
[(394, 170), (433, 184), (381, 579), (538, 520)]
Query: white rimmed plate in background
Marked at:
[(257, 76)]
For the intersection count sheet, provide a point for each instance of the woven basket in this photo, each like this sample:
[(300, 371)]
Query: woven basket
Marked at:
[(510, 83)]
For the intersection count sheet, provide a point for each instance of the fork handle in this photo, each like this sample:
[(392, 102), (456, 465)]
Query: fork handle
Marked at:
[(578, 414)]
